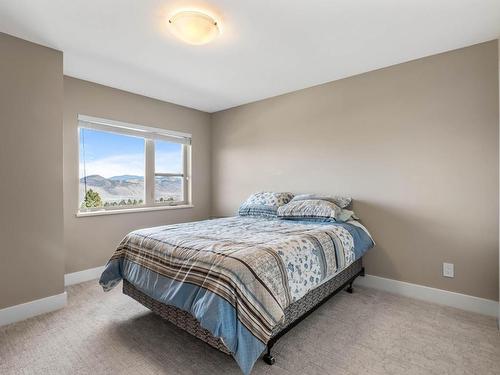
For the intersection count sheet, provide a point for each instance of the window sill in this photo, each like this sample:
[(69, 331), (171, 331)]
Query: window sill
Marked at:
[(131, 210)]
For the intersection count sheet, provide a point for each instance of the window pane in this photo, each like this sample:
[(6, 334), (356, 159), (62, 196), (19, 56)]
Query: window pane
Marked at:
[(168, 157), (168, 189), (111, 169)]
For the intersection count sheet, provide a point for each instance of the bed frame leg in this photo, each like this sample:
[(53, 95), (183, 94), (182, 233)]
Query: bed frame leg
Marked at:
[(349, 288), (268, 357)]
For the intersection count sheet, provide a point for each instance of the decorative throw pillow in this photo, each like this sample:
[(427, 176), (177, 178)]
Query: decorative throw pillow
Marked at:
[(314, 210), (341, 201), (264, 203)]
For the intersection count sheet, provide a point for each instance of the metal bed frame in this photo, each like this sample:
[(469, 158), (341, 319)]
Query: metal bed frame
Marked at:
[(294, 314)]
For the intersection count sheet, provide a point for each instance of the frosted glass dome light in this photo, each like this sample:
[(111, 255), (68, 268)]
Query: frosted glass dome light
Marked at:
[(194, 27)]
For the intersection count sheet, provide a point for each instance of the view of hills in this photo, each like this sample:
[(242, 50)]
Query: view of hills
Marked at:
[(122, 188)]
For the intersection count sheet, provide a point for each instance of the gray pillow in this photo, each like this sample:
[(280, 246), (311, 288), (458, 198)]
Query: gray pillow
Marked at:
[(314, 210), (341, 201)]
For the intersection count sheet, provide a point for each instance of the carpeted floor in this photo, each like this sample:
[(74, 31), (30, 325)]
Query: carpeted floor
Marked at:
[(368, 332)]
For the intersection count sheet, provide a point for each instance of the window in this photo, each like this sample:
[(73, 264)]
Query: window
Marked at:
[(125, 166), (169, 172)]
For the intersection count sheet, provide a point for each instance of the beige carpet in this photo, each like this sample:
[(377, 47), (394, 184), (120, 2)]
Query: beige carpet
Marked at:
[(368, 332)]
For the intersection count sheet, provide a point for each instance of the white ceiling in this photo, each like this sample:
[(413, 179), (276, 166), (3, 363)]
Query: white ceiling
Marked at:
[(267, 47)]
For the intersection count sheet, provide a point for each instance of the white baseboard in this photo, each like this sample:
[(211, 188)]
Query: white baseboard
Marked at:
[(82, 276), (30, 309), (425, 293), (44, 305)]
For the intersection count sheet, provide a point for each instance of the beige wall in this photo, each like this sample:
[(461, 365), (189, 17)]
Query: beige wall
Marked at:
[(90, 241), (31, 223), (415, 144), (409, 142)]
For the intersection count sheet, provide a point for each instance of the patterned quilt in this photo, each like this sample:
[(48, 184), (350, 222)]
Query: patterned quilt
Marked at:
[(235, 275)]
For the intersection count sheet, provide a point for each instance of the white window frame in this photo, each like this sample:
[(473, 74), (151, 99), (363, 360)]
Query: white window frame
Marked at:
[(149, 134)]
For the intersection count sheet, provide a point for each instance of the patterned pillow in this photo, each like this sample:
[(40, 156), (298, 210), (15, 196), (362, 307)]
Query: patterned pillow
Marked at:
[(315, 210), (339, 200), (264, 203)]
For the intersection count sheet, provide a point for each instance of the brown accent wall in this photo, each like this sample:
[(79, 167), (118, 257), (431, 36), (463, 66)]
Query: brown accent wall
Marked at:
[(415, 144), (90, 241), (31, 213)]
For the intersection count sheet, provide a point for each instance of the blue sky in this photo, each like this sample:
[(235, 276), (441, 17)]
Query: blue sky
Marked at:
[(111, 154)]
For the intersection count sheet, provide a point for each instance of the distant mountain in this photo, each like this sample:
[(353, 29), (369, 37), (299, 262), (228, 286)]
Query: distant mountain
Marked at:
[(117, 188), (126, 177), (98, 180)]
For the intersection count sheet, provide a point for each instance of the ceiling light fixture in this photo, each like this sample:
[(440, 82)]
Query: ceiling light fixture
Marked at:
[(194, 27)]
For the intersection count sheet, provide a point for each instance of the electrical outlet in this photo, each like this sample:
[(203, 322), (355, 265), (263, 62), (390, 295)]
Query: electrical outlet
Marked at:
[(448, 270)]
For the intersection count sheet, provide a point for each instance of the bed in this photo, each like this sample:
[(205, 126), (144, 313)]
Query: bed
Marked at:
[(238, 283)]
